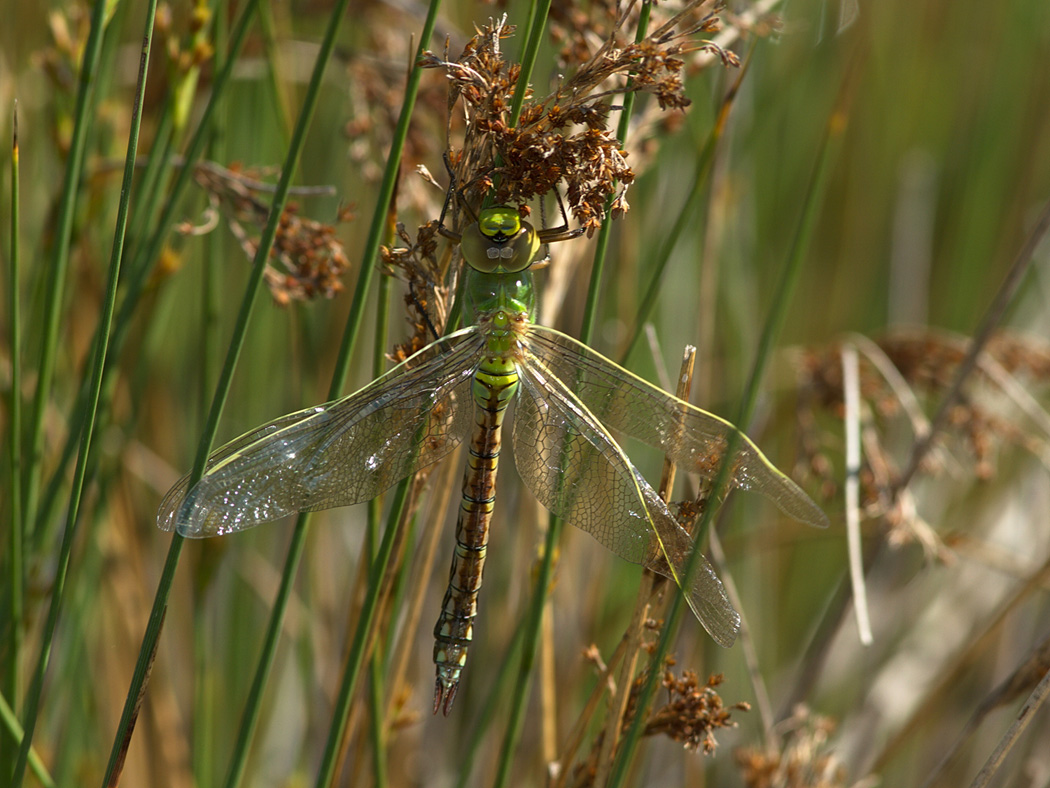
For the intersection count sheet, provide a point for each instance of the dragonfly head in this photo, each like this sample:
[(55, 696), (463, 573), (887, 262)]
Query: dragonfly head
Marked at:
[(500, 241)]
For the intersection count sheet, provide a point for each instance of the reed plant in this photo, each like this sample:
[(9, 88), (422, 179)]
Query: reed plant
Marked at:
[(842, 207)]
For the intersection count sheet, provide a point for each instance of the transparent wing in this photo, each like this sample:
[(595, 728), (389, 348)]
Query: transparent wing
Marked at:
[(695, 439), (576, 469), (336, 454)]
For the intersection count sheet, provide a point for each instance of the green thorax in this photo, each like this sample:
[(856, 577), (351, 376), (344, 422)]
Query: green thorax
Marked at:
[(488, 294), (500, 295), (498, 250), (503, 305)]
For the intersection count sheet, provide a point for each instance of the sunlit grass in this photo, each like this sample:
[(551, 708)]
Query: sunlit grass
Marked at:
[(932, 187)]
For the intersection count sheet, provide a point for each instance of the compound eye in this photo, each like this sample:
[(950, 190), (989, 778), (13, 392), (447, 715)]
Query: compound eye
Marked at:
[(522, 249), (500, 220), (477, 248), (499, 241)]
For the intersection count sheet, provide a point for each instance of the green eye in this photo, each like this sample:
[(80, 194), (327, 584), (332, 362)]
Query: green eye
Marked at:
[(499, 241), (499, 221)]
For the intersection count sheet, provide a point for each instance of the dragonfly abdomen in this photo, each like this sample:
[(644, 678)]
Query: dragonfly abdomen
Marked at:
[(493, 389)]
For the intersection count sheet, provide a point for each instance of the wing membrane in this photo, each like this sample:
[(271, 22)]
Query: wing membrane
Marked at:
[(695, 439), (343, 452), (579, 472)]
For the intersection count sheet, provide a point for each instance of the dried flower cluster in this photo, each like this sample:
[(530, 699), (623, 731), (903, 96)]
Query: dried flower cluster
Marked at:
[(900, 372), (560, 143), (562, 138), (692, 713), (802, 760), (307, 259), (426, 299)]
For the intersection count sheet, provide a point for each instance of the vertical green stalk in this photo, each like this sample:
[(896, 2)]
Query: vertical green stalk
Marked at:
[(32, 704), (210, 285), (538, 11), (377, 673), (59, 262), (483, 718), (16, 568), (125, 727), (10, 722), (204, 674), (147, 254), (598, 269), (266, 240), (361, 640), (770, 331), (250, 714), (377, 706), (546, 569)]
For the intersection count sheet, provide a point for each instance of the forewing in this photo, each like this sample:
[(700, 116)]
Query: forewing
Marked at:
[(343, 452), (693, 438), (579, 472)]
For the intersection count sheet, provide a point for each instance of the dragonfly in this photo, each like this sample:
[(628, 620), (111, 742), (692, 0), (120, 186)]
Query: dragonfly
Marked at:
[(573, 407)]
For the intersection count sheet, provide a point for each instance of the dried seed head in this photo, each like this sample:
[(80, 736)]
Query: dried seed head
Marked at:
[(306, 261), (898, 373), (803, 759), (563, 139)]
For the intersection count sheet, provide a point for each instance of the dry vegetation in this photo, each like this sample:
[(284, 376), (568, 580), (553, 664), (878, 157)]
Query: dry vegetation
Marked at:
[(944, 163)]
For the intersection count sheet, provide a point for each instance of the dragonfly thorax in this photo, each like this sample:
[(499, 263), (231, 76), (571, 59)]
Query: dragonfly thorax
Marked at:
[(489, 294)]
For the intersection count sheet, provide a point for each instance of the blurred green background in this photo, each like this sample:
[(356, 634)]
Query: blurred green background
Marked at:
[(932, 188)]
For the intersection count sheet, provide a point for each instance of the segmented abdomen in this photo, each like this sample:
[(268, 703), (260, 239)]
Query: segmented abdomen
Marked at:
[(494, 385)]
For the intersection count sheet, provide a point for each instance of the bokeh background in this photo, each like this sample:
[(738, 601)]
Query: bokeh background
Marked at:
[(935, 174)]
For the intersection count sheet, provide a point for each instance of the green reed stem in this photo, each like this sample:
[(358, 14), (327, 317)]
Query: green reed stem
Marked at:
[(493, 702), (16, 568), (298, 139), (771, 329), (361, 638), (32, 701), (538, 11), (250, 714), (10, 722), (534, 619), (590, 309), (59, 263), (146, 255), (204, 730), (266, 239), (377, 708), (377, 664)]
